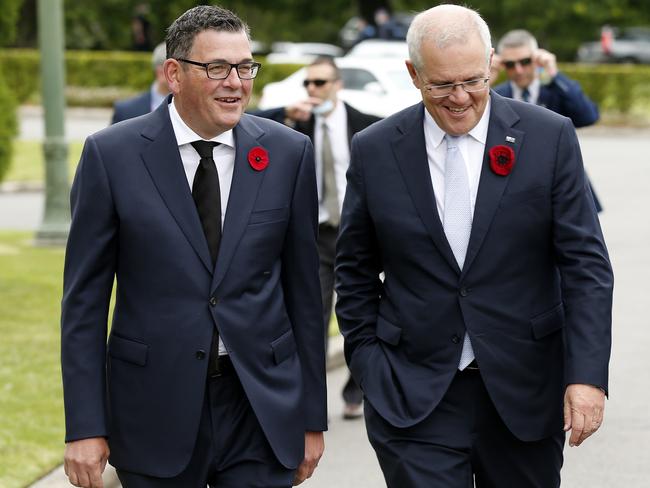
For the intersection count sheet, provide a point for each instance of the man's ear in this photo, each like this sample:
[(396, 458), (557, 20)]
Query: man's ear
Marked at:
[(173, 74), (413, 73)]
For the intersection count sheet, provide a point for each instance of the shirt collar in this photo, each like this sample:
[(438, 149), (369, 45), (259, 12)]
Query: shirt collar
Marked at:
[(478, 132), (334, 118), (533, 91), (185, 135)]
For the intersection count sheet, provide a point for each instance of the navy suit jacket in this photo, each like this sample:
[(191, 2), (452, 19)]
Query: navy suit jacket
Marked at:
[(534, 294), (134, 220), (132, 107), (563, 96)]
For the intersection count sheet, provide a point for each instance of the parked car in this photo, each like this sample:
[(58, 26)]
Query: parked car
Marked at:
[(631, 45), (301, 52), (379, 48), (349, 33), (376, 86)]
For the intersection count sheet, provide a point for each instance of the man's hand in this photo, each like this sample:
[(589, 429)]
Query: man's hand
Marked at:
[(301, 111), (85, 460), (546, 60), (584, 407), (314, 447)]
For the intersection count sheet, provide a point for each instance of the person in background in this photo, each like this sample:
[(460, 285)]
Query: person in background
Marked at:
[(330, 123), (533, 76), (147, 101), (486, 340), (205, 219)]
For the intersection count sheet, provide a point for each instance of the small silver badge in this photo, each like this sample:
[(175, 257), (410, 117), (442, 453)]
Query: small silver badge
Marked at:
[(510, 139)]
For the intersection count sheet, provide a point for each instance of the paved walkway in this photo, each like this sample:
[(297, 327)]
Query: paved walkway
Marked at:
[(618, 162)]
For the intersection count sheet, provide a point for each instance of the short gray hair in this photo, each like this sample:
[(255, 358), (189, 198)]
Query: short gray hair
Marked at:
[(517, 38), (427, 26), (181, 34), (159, 55)]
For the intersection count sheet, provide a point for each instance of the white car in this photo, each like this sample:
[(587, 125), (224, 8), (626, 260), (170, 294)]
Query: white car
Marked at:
[(379, 48), (300, 52), (379, 87)]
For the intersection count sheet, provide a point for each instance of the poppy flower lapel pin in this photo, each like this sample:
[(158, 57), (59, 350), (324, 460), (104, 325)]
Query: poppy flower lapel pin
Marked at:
[(502, 159), (258, 158)]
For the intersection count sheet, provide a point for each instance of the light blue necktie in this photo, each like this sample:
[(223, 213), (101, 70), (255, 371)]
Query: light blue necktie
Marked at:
[(457, 219)]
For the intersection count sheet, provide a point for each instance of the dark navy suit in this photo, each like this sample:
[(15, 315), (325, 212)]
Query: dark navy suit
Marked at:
[(132, 107), (134, 220), (534, 294)]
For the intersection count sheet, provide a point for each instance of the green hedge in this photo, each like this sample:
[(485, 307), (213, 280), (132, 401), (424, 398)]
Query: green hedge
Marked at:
[(124, 72), (613, 87), (8, 126)]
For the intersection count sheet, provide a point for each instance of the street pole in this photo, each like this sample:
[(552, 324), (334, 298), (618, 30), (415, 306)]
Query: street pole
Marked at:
[(56, 216)]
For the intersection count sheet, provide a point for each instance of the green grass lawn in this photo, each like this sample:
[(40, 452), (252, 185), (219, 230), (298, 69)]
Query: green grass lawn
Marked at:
[(31, 403), (27, 164)]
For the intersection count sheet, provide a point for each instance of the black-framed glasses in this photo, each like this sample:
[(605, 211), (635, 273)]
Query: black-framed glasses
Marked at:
[(470, 86), (522, 62), (220, 70), (316, 82)]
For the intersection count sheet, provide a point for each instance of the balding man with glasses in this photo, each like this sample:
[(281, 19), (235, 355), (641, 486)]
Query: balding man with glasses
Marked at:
[(474, 286)]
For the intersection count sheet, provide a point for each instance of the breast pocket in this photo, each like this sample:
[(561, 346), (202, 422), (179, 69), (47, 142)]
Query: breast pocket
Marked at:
[(269, 216)]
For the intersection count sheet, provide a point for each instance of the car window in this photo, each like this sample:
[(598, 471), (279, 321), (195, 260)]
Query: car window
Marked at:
[(356, 78)]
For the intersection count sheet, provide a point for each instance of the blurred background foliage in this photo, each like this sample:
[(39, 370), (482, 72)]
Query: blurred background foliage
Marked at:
[(560, 25)]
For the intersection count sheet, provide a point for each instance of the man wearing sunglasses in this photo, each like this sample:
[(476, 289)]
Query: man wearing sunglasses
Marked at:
[(330, 123), (528, 68)]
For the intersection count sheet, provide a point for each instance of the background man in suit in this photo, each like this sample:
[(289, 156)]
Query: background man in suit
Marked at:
[(525, 64), (214, 372), (147, 101), (493, 321), (330, 124)]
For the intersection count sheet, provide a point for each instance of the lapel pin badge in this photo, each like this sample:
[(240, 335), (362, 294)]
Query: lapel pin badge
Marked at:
[(510, 139)]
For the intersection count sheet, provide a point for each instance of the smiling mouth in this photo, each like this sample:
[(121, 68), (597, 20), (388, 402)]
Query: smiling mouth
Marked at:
[(227, 99), (457, 111)]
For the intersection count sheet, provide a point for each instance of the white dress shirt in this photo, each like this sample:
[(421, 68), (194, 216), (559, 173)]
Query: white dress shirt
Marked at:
[(223, 155), (471, 146), (337, 124)]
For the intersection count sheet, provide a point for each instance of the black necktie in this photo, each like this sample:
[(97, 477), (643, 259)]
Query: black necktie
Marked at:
[(207, 196), (525, 95)]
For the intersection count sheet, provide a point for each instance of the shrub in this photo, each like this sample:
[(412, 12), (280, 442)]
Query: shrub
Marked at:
[(8, 127)]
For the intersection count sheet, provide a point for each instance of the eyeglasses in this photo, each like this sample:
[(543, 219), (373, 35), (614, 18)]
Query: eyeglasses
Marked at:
[(522, 62), (316, 82), (470, 86), (221, 71)]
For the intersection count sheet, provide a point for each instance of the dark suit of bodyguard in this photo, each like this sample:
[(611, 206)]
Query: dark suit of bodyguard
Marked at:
[(533, 293), (147, 392)]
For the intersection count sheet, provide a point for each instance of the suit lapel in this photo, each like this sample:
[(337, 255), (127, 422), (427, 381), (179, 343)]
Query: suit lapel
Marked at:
[(491, 186), (163, 161), (243, 192), (410, 152)]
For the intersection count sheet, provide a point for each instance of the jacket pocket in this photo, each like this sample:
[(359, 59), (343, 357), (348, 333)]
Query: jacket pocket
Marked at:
[(267, 216), (128, 350), (548, 322), (388, 332), (283, 347)]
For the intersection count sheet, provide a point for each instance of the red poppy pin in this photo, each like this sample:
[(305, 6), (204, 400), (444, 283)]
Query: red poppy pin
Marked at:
[(502, 159), (258, 158)]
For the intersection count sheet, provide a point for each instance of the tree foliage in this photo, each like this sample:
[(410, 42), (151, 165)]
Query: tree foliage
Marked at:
[(560, 25)]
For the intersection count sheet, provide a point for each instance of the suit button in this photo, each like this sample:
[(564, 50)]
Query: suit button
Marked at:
[(200, 354), (213, 301), (464, 292), (455, 338)]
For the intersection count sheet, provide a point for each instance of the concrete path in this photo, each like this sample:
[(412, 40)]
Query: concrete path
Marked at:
[(618, 162)]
